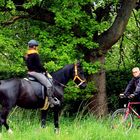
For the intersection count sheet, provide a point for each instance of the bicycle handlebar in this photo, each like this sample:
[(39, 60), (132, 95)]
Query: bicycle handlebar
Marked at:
[(122, 96), (131, 96)]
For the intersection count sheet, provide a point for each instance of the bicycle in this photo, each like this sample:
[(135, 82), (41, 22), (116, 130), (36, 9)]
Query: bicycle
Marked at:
[(122, 118)]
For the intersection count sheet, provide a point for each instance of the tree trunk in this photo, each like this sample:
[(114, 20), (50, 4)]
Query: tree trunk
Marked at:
[(106, 40), (101, 85), (98, 105)]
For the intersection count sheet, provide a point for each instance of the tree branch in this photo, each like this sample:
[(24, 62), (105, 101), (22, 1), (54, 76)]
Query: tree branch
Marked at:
[(36, 13), (14, 19), (114, 33)]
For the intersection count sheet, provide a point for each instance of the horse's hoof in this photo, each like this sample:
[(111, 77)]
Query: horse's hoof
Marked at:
[(56, 130), (43, 126), (10, 131)]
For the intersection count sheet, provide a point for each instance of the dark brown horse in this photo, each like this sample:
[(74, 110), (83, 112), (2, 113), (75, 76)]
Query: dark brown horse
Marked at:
[(22, 93)]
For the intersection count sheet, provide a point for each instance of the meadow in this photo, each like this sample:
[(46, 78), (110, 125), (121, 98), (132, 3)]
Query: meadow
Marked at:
[(26, 126)]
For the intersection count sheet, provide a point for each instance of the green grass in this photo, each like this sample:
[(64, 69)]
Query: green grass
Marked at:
[(26, 126)]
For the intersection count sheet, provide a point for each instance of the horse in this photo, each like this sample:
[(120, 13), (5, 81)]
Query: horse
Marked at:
[(20, 92)]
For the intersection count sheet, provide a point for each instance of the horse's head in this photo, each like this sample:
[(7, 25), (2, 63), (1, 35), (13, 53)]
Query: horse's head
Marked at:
[(79, 77)]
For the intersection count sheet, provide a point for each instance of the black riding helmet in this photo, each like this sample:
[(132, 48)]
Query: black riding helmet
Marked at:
[(32, 43)]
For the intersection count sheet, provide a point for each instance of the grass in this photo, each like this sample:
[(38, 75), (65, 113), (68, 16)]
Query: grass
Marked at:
[(26, 125)]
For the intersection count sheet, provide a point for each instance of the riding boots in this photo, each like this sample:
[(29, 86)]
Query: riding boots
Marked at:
[(53, 101)]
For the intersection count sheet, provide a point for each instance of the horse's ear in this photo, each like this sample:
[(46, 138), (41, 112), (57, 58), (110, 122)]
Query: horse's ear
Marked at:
[(78, 63)]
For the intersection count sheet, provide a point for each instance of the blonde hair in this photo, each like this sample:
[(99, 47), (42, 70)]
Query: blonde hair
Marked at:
[(135, 69)]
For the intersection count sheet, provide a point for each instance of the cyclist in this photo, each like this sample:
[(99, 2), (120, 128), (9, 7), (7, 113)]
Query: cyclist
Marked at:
[(133, 88)]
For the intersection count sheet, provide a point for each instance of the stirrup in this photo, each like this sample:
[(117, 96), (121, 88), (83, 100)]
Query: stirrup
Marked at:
[(54, 101), (57, 101)]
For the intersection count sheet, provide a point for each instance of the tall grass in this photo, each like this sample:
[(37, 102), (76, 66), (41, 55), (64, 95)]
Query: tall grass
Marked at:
[(26, 126)]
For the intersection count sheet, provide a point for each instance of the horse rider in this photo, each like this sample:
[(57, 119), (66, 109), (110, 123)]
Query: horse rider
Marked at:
[(36, 70)]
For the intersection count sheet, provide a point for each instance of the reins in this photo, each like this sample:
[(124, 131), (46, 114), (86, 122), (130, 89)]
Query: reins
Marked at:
[(59, 83)]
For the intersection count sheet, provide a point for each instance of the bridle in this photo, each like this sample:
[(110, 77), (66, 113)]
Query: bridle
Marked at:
[(77, 77)]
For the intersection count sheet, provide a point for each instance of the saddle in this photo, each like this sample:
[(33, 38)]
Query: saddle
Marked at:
[(37, 86), (39, 89)]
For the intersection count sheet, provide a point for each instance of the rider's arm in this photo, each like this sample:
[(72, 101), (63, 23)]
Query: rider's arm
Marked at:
[(130, 87), (137, 90)]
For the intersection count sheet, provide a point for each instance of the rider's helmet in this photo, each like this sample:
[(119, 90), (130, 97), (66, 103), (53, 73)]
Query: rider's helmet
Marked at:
[(32, 43)]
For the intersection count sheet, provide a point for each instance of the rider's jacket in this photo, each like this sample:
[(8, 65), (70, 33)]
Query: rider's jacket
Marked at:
[(33, 61), (133, 87)]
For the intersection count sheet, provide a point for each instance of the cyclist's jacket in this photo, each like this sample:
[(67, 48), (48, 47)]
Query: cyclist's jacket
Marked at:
[(33, 61), (133, 87)]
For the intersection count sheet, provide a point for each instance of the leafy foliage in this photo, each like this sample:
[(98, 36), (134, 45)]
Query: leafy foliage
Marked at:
[(117, 81), (59, 43), (125, 54)]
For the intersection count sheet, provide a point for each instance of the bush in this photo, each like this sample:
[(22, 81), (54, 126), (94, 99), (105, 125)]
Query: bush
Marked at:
[(11, 74), (117, 81)]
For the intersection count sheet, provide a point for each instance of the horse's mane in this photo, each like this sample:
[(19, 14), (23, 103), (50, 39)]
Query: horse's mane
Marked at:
[(62, 73), (61, 69)]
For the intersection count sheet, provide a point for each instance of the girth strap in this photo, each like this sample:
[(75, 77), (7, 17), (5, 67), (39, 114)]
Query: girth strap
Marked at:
[(46, 104)]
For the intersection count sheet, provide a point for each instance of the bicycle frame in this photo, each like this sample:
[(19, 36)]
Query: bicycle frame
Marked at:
[(130, 108), (122, 118)]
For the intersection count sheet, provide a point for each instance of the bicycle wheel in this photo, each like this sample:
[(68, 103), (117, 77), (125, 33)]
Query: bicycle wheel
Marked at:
[(120, 122)]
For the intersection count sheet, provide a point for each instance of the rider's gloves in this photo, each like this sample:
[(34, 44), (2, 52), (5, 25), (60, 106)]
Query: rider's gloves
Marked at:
[(122, 95), (131, 96)]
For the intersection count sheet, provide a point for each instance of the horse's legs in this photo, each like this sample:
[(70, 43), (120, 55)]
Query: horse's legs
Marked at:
[(43, 118), (3, 118), (56, 110)]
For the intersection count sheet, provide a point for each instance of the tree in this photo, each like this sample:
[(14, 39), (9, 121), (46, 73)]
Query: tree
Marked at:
[(79, 25), (106, 40)]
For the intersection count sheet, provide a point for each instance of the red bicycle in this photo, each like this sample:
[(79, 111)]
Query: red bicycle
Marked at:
[(122, 118)]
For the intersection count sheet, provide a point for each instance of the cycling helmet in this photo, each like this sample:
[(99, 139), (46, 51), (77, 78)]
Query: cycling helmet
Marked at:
[(32, 43)]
